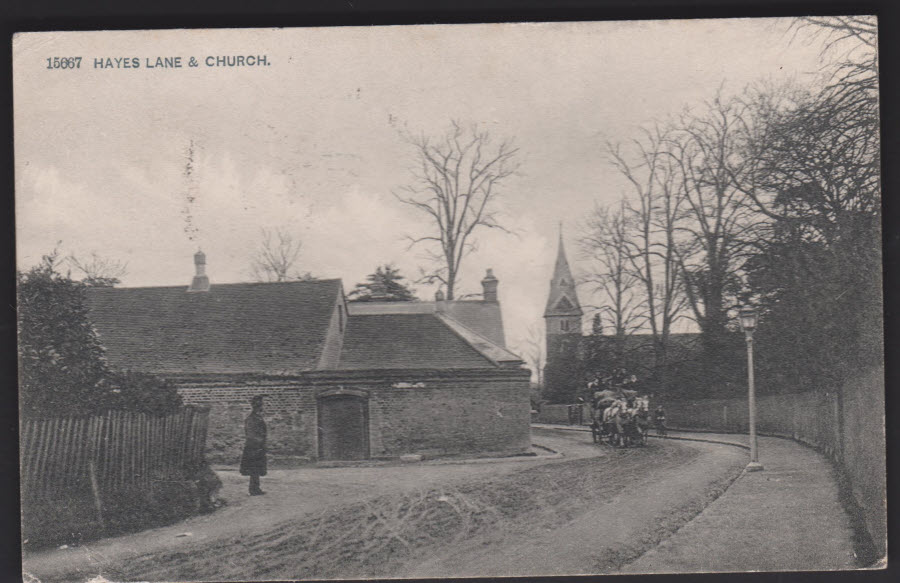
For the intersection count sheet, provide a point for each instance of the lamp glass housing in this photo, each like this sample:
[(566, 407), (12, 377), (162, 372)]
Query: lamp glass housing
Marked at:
[(748, 317)]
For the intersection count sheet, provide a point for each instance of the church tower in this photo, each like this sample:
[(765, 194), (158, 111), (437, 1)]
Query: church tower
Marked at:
[(562, 318), (563, 312)]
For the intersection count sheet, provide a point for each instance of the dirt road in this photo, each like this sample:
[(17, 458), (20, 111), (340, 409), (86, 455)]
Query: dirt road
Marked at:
[(589, 512)]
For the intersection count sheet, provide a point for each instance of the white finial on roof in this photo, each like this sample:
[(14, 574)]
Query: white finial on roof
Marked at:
[(200, 283)]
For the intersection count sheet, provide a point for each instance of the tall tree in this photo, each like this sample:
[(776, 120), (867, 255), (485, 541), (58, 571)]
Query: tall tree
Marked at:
[(654, 211), (816, 176), (850, 55), (606, 244), (384, 285), (276, 257), (457, 179), (718, 227)]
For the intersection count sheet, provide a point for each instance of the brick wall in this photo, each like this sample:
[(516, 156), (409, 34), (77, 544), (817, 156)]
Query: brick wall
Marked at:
[(564, 414), (450, 416), (290, 413), (481, 412), (847, 426)]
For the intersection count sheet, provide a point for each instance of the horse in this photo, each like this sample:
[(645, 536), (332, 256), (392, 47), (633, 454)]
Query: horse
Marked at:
[(627, 425), (642, 425), (614, 420), (600, 402)]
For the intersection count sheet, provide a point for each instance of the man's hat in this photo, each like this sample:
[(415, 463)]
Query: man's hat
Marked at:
[(257, 400)]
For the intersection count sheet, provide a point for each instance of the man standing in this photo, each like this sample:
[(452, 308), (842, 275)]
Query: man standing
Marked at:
[(253, 462), (660, 420)]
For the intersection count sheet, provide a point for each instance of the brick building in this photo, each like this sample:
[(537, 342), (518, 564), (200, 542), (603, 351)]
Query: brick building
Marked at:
[(344, 380)]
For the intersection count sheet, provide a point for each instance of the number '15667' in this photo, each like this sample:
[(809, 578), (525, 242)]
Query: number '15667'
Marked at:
[(63, 62)]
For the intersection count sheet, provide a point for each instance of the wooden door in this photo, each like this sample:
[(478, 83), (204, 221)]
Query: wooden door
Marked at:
[(343, 428)]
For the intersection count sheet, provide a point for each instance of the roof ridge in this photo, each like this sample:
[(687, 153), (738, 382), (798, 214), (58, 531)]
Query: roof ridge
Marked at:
[(229, 284)]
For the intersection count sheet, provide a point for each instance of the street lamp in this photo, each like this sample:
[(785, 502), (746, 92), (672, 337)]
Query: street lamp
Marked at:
[(749, 318)]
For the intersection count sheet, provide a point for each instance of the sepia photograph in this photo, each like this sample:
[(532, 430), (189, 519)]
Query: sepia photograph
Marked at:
[(450, 300)]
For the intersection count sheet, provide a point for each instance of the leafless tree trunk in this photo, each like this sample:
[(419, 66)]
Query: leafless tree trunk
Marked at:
[(532, 349), (606, 244), (719, 226), (99, 271), (654, 212), (276, 256), (456, 181)]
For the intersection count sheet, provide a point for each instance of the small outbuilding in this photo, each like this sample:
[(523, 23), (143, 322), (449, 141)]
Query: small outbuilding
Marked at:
[(343, 381)]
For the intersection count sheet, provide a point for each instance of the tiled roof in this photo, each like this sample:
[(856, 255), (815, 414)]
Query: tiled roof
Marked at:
[(485, 318), (490, 350), (274, 328), (390, 341)]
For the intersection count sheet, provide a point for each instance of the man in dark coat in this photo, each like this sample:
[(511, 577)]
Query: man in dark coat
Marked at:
[(253, 462)]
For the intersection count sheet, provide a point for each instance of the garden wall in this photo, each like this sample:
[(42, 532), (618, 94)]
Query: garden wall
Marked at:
[(847, 426), (564, 414)]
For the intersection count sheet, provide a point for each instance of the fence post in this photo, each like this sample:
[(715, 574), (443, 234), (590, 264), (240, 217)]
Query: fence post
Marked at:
[(95, 488)]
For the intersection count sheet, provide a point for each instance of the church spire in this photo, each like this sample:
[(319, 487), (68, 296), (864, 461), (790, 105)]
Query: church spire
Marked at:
[(563, 300)]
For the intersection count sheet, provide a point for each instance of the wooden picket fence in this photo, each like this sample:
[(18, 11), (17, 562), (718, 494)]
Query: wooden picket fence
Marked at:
[(110, 451)]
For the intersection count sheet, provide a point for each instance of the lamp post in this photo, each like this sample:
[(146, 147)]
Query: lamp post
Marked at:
[(748, 317)]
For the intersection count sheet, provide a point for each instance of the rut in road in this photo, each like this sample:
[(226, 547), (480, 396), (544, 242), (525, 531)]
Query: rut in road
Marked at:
[(379, 536)]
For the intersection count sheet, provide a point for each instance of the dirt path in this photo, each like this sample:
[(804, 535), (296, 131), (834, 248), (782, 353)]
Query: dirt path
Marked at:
[(648, 507), (421, 519)]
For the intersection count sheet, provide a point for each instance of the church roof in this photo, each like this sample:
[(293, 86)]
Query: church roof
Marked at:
[(563, 299)]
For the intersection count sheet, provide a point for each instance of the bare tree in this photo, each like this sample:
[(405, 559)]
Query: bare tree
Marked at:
[(456, 182), (654, 211), (719, 227), (99, 271), (606, 243), (533, 350), (276, 257), (815, 162), (850, 54)]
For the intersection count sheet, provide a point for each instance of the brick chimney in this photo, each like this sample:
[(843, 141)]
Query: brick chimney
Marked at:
[(489, 287), (439, 305), (200, 283)]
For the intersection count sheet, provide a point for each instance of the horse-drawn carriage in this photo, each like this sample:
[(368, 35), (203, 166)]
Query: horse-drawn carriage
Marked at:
[(620, 418)]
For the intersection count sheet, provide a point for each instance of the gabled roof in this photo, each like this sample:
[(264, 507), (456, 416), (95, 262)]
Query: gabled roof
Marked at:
[(563, 299), (277, 328), (490, 350), (406, 340), (484, 318)]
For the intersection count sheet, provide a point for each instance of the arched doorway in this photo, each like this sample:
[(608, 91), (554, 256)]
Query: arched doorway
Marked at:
[(343, 417)]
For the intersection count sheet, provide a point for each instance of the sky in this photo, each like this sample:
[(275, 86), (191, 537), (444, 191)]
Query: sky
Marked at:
[(313, 142)]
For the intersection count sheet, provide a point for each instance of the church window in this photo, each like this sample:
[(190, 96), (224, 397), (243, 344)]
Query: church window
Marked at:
[(564, 325)]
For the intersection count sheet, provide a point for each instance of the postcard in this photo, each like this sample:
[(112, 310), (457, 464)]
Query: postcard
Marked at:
[(471, 300)]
